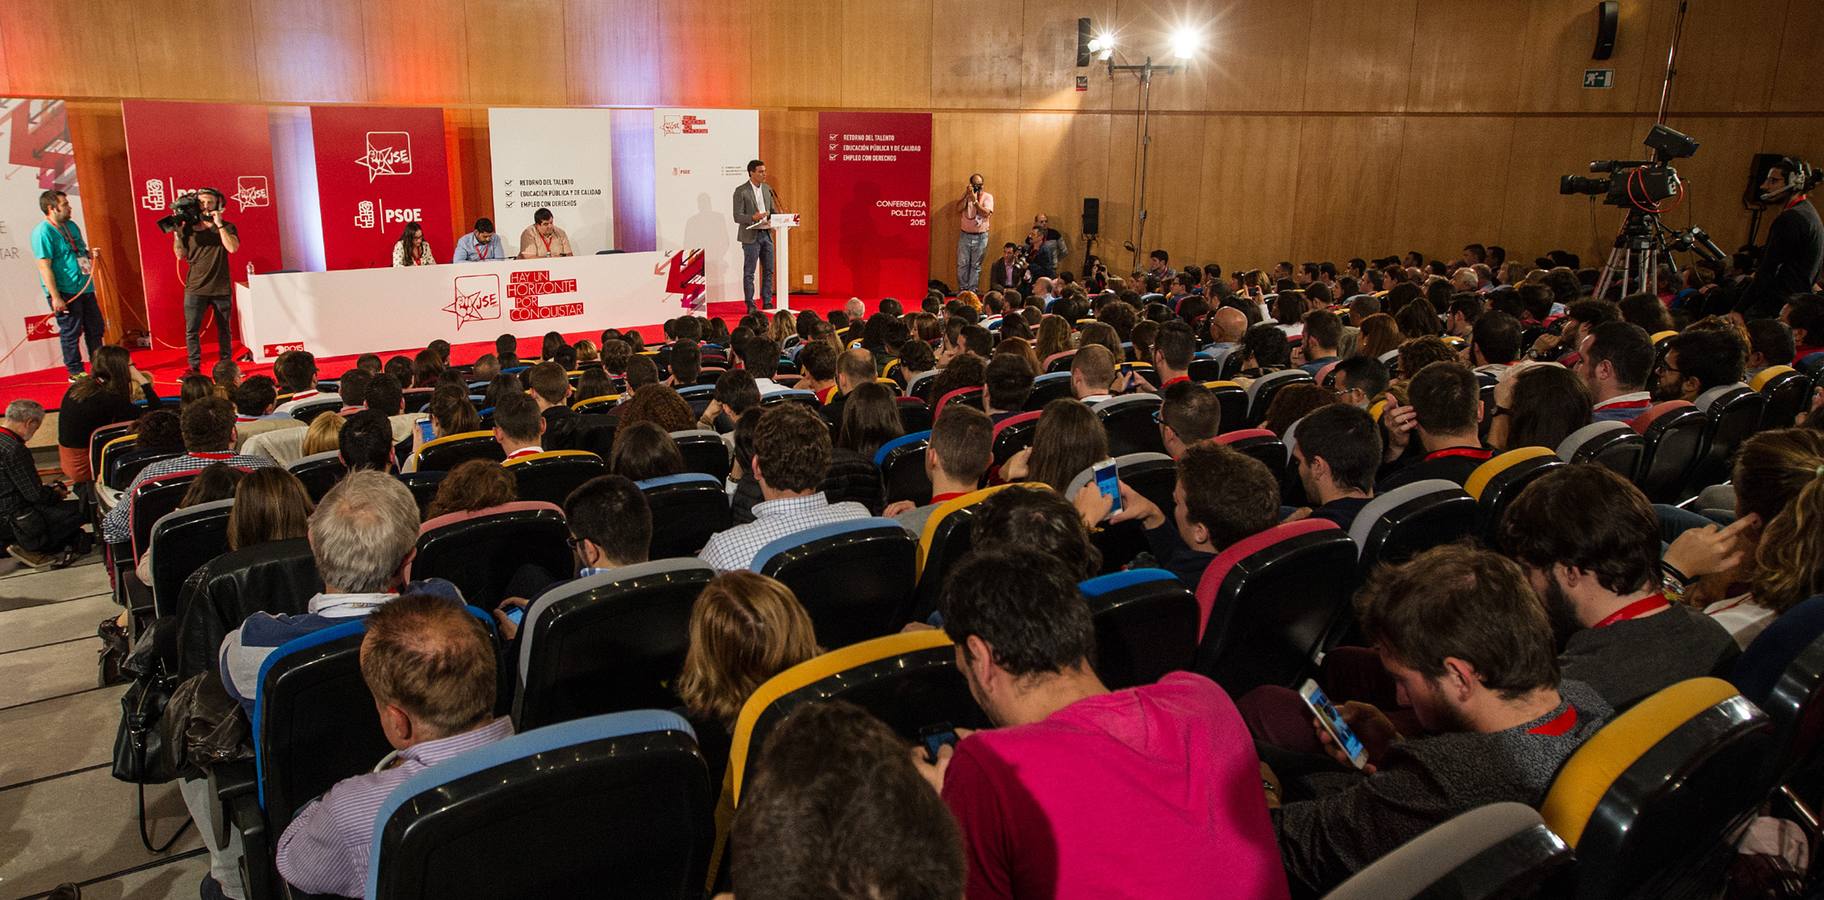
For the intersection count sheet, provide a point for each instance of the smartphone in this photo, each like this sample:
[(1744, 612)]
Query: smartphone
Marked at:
[(935, 737), (425, 432), (515, 614), (1108, 481), (1332, 721)]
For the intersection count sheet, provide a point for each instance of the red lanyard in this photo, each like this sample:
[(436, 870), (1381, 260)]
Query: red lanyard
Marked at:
[(1472, 452), (1635, 610), (1558, 724), (939, 498), (68, 238), (214, 456), (547, 240)]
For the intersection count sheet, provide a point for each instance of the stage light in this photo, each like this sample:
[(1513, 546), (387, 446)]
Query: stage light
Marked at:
[(1104, 45), (1186, 42)]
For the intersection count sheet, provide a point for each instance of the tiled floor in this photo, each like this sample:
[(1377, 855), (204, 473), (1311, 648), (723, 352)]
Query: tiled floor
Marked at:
[(63, 817)]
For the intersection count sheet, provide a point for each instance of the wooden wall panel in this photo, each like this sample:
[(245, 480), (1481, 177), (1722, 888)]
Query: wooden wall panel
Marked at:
[(179, 56), (100, 140), (796, 57), (1174, 185), (706, 58), (884, 60), (1535, 218), (1063, 158), (1463, 164), (636, 226), (465, 145), (1368, 57), (1248, 164), (1725, 59), (511, 59), (55, 50), (962, 143), (1798, 79), (1342, 201), (416, 57), (312, 52), (1465, 54), (611, 54), (1558, 39), (1048, 57), (788, 143), (1256, 55), (975, 56), (6, 77)]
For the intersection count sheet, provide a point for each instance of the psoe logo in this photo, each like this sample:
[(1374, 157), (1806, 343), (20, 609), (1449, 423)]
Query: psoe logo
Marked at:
[(684, 124), (272, 350), (388, 153), (154, 197), (477, 299), (364, 214), (251, 191)]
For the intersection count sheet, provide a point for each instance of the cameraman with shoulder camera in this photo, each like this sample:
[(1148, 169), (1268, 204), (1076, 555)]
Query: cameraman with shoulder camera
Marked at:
[(1795, 243), (204, 240)]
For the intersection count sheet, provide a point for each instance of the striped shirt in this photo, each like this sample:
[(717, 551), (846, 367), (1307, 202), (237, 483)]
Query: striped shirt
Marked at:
[(117, 525), (735, 548), (325, 849)]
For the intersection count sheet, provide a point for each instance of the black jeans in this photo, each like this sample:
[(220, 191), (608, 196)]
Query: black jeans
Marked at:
[(195, 305), (79, 323)]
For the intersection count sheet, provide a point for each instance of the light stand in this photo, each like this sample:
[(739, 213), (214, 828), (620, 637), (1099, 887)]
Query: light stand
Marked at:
[(1145, 71)]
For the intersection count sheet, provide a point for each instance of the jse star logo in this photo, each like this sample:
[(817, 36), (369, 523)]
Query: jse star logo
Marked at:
[(477, 299), (388, 153)]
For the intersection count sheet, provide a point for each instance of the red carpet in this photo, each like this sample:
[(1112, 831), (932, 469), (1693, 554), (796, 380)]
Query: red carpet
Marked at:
[(166, 366)]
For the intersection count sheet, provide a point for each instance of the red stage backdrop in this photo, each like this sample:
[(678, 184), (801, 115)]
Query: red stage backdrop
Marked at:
[(175, 149), (377, 169), (874, 185)]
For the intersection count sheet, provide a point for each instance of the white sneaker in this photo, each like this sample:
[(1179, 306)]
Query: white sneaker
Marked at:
[(39, 561)]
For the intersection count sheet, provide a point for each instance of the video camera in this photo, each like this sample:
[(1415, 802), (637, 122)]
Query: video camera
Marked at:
[(186, 211), (1637, 183)]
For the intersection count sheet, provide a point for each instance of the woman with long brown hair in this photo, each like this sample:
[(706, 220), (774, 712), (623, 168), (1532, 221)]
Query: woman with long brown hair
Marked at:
[(269, 505), (1067, 440), (103, 397), (1054, 337), (1379, 335), (475, 484)]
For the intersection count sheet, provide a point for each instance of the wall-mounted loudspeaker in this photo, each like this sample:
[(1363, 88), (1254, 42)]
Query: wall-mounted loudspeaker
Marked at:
[(1083, 42), (1608, 19), (1092, 215)]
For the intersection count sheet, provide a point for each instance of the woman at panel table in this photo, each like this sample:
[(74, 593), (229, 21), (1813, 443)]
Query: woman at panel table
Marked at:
[(411, 249)]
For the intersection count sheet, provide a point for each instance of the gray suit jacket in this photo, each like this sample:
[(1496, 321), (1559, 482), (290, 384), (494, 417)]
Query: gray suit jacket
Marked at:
[(745, 209)]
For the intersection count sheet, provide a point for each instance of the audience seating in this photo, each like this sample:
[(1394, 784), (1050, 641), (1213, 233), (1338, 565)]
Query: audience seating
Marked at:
[(479, 550), (686, 510), (1787, 393), (451, 450), (1146, 625), (1674, 435), (423, 486), (1233, 400), (1153, 476), (1267, 602), (1262, 390), (319, 472), (1013, 434), (945, 541), (1131, 423), (1204, 367), (308, 411), (1792, 648), (901, 462), (1649, 800), (610, 642), (1497, 482), (1410, 519), (551, 476), (909, 681), (854, 578), (151, 501), (792, 396), (187, 539), (920, 386), (101, 437), (600, 404), (1734, 412), (914, 414), (277, 577), (1260, 444), (616, 803), (1612, 445), (125, 465), (1502, 850), (1058, 362), (703, 451), (967, 396), (1048, 387)]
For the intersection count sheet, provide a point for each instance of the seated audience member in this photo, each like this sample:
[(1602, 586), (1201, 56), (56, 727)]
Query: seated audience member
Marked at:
[(386, 396), (431, 669), (1030, 518), (296, 372), (1069, 438), (685, 365), (965, 370), (595, 383), (225, 374), (473, 485), (1696, 361), (657, 404), (1445, 406), (744, 629), (870, 418), (1615, 360), (791, 458), (1322, 335), (1294, 402), (1769, 344), (208, 426), (1494, 343), (216, 482), (269, 505), (1189, 414), (641, 371), (1470, 646), (853, 369), (400, 368), (735, 394), (1092, 374), (427, 368), (60, 539), (1804, 314), (1221, 497), (1538, 406), (486, 368), (760, 357), (1379, 335), (1336, 457), (191, 388), (894, 837), (1088, 761), (1589, 542), (550, 389), (1172, 352), (353, 387), (1227, 325), (518, 426), (1646, 311), (614, 356), (254, 399), (644, 450), (104, 397), (916, 358), (1359, 381), (450, 413), (323, 434), (817, 365), (370, 362), (1006, 384), (1460, 317), (610, 527), (743, 487), (1264, 350), (958, 456), (366, 442)]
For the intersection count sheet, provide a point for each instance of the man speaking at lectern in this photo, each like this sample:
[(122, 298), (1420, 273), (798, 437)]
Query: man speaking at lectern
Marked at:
[(754, 202)]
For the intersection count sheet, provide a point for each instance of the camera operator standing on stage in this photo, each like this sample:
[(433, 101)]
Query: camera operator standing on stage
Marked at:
[(205, 243), (64, 260), (1795, 243)]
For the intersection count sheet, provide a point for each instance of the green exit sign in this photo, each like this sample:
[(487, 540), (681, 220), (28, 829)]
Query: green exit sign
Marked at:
[(1598, 78)]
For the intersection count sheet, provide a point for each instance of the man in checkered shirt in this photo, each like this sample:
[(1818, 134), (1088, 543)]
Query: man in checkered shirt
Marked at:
[(208, 426), (791, 456)]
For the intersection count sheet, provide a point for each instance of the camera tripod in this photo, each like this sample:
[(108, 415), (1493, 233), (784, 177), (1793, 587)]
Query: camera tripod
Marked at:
[(1639, 251)]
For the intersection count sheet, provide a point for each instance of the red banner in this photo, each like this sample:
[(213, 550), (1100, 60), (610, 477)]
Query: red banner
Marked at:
[(175, 149), (874, 187), (379, 168)]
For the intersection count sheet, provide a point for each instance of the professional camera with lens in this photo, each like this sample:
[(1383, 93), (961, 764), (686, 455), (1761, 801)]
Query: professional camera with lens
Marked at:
[(185, 212), (1636, 183)]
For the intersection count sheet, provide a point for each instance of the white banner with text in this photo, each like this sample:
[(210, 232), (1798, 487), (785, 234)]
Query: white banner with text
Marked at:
[(699, 157), (555, 159)]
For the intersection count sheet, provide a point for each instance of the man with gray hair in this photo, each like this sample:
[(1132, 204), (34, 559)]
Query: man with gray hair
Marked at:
[(42, 523)]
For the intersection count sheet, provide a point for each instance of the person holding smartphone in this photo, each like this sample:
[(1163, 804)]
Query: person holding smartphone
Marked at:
[(610, 527)]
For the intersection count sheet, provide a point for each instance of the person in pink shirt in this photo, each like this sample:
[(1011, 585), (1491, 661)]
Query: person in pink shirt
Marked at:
[(1082, 791)]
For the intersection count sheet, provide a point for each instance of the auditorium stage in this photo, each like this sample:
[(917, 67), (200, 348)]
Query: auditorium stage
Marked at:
[(166, 364)]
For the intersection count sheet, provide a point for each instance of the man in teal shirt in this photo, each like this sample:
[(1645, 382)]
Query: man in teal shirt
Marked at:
[(63, 266)]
